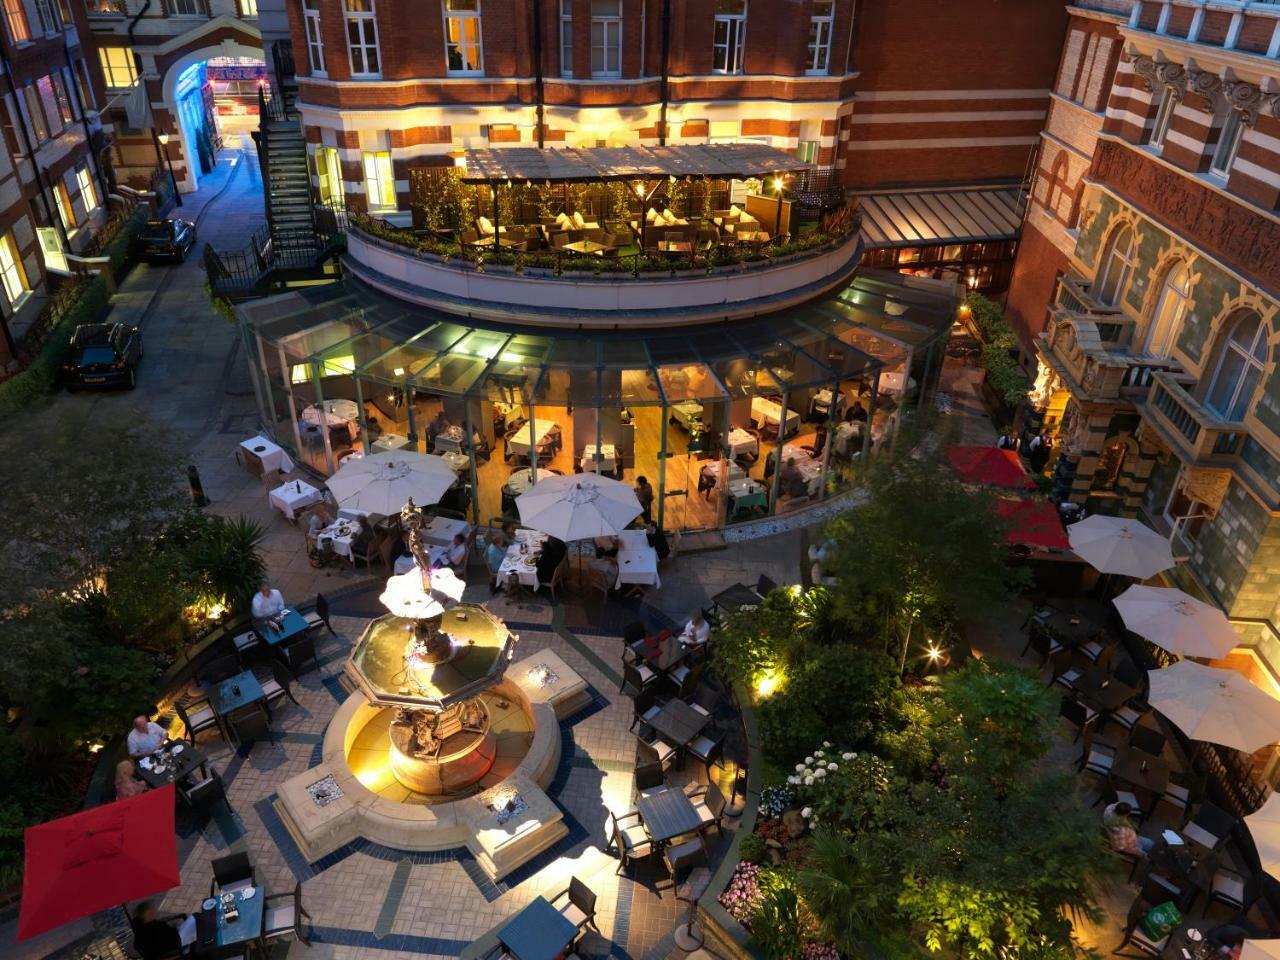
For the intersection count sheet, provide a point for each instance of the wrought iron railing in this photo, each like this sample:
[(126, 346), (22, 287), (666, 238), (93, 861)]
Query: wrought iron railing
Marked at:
[(236, 273)]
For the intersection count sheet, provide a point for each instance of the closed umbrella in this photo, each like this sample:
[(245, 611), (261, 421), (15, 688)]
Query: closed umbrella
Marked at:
[(578, 506), (1216, 705), (96, 859), (383, 482), (1177, 621), (1264, 828), (1118, 545)]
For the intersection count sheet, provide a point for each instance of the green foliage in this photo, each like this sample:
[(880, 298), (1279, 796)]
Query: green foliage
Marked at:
[(849, 887), (853, 798), (120, 250), (752, 848), (781, 925), (999, 344), (226, 561), (754, 642)]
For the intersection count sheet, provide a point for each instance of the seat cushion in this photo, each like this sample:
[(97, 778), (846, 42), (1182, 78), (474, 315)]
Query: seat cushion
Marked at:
[(701, 709), (702, 747), (634, 837), (272, 689), (246, 640), (1124, 796), (1092, 649), (704, 812), (279, 918), (1099, 761), (1229, 886), (651, 712), (645, 673), (235, 885), (574, 915), (1193, 831), (664, 749), (1153, 947)]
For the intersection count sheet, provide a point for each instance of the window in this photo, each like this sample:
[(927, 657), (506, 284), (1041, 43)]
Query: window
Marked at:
[(82, 81), (1058, 185), (88, 193), (47, 14), (186, 8), (62, 98), (64, 205), (15, 21), (566, 38), (730, 36), (49, 103), (362, 38), (1171, 307), (807, 151), (379, 181), (329, 176), (1164, 116), (462, 36), (1117, 266), (248, 8), (118, 68), (606, 38), (35, 113), (12, 276), (1224, 155), (820, 24), (1239, 368), (315, 41)]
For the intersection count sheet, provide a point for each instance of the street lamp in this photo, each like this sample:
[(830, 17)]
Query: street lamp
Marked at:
[(163, 138), (777, 222)]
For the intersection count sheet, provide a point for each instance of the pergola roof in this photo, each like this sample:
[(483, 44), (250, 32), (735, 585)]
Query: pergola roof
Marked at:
[(721, 160)]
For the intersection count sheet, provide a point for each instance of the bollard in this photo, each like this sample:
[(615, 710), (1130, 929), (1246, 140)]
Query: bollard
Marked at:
[(197, 491)]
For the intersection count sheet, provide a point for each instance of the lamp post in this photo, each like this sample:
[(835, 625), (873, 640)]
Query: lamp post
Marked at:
[(173, 181), (777, 222)]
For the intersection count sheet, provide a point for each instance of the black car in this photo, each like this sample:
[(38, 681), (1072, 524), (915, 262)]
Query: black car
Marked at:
[(103, 354), (166, 239)]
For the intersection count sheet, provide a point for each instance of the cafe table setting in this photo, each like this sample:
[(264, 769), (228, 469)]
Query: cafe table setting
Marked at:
[(293, 497), (340, 534), (522, 559), (272, 455), (742, 443), (172, 763), (233, 919), (637, 561)]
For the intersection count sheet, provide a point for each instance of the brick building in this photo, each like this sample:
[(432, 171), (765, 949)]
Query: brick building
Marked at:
[(51, 190)]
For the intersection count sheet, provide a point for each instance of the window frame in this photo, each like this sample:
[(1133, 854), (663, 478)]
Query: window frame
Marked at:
[(366, 23), (566, 38), (15, 12), (329, 171), (1168, 330), (48, 15), (1231, 140), (109, 71), (35, 113), (12, 271), (377, 156), (195, 4), (610, 46), (62, 200), (1261, 336), (315, 37), (735, 40), (818, 45), (245, 11), (88, 189), (1111, 254), (1163, 118), (463, 44)]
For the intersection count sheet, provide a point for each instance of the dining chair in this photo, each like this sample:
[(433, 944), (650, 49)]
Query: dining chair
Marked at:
[(1079, 715), (1128, 715), (299, 651), (1180, 792), (1235, 890), (630, 838), (249, 723), (687, 677), (652, 748), (1065, 673), (705, 700), (280, 684), (245, 643), (650, 778), (203, 794), (320, 615), (706, 748), (1149, 896), (231, 872), (637, 676), (1210, 827), (710, 804), (1096, 758), (579, 906), (221, 668), (685, 855), (645, 705), (1147, 739), (282, 916), (765, 586), (1043, 643), (200, 718)]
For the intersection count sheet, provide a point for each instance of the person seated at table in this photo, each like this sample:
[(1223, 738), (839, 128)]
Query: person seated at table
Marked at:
[(315, 525), (456, 556), (856, 414), (267, 607), (1120, 832), (658, 540), (373, 427), (1227, 940), (495, 552), (605, 546), (554, 550), (792, 480), (436, 427), (145, 738), (127, 782), (697, 631), (154, 938)]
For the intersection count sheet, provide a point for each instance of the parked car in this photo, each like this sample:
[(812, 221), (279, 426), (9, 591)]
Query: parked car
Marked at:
[(166, 240), (103, 354)]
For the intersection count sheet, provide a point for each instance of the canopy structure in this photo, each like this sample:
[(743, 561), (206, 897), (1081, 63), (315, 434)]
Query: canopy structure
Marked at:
[(578, 506), (908, 218), (723, 161)]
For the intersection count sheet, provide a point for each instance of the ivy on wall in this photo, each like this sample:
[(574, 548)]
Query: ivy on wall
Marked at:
[(999, 346)]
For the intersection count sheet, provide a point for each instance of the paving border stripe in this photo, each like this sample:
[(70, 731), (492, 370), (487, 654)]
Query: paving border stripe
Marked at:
[(395, 893), (569, 637), (341, 937)]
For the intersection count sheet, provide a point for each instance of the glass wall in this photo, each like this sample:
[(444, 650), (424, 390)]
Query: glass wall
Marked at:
[(726, 423)]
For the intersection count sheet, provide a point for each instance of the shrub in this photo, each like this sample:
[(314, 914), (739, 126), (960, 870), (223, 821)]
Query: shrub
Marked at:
[(1002, 370), (751, 848)]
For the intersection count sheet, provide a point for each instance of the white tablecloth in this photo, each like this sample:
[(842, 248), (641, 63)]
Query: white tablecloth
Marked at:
[(713, 469), (520, 481), (294, 496), (518, 445), (684, 412), (346, 409), (608, 458), (340, 533), (269, 452), (891, 382), (846, 439), (458, 462), (389, 441), (741, 442), (821, 402), (313, 419), (637, 561), (439, 556), (518, 563), (448, 441), (766, 412), (441, 530)]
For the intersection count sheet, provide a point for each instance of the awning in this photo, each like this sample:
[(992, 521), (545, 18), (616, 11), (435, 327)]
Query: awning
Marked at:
[(1033, 523), (722, 160), (911, 218)]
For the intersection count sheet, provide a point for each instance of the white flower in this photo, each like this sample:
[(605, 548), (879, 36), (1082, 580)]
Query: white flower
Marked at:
[(793, 780), (847, 755), (807, 812), (826, 743), (808, 781), (808, 759), (820, 772), (832, 766), (800, 767)]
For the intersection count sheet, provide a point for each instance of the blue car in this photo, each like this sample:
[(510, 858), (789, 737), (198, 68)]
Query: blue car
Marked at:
[(165, 240), (103, 355)]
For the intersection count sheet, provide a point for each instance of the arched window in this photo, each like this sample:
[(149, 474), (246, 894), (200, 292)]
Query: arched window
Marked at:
[(1116, 266), (1239, 367), (1058, 185), (1171, 307)]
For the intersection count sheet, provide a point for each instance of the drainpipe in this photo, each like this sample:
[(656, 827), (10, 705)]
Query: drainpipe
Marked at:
[(664, 92), (537, 67), (84, 120)]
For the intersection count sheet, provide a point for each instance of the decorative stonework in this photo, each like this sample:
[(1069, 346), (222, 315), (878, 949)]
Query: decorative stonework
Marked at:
[(325, 791), (1245, 97), (1161, 73)]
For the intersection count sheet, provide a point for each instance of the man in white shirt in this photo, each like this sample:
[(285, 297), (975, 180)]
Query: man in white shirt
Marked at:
[(697, 630), (267, 607), (458, 553), (145, 738)]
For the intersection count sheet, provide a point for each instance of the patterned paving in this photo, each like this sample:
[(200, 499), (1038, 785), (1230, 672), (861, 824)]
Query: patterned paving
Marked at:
[(367, 900)]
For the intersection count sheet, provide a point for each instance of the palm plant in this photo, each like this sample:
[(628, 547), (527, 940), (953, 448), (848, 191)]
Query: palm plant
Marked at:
[(228, 561), (849, 891)]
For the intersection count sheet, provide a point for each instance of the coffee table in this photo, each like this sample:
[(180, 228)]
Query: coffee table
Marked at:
[(588, 247)]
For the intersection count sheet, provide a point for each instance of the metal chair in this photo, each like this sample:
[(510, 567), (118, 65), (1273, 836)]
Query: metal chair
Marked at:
[(280, 684), (1210, 827), (707, 749), (203, 794), (319, 616), (652, 748), (201, 718), (683, 855), (246, 642), (249, 723), (231, 872), (1146, 739), (630, 838), (644, 706), (221, 668), (299, 651), (637, 676), (283, 914), (1079, 715), (1097, 759), (1151, 894), (710, 804), (579, 906), (650, 778), (705, 701), (1235, 890)]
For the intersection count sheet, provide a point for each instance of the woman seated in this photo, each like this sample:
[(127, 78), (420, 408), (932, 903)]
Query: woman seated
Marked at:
[(127, 782)]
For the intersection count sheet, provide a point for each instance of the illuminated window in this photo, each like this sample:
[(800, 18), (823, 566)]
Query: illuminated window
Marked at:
[(49, 104), (118, 68), (1166, 322), (35, 112), (362, 38), (462, 37), (248, 8), (315, 41), (62, 96), (820, 23), (379, 181), (1117, 266), (15, 21), (329, 176), (88, 193), (730, 37), (12, 276), (606, 38), (566, 38), (1224, 154), (65, 212)]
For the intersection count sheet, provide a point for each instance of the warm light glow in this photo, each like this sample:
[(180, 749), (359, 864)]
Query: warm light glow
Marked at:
[(206, 608), (767, 683), (639, 189), (460, 162), (933, 653), (164, 139), (777, 184)]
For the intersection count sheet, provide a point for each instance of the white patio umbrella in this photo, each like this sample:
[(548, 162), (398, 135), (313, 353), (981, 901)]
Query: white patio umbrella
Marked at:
[(382, 482), (1219, 706), (1264, 827), (578, 506), (1176, 621), (1118, 545), (1261, 950)]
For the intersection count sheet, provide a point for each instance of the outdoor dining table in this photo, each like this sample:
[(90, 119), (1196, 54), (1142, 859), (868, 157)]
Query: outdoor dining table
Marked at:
[(608, 458), (523, 565), (245, 929), (457, 461), (270, 453), (538, 932), (543, 430), (1071, 629), (437, 554), (520, 481), (668, 814), (741, 442), (637, 561), (677, 722), (1104, 699), (663, 653), (1149, 774), (231, 694), (340, 534), (291, 625), (821, 402), (713, 469), (442, 530), (448, 440), (587, 247), (389, 441), (178, 758), (292, 497)]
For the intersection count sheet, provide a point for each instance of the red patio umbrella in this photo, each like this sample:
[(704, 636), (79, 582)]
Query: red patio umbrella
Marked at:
[(1033, 523), (97, 859), (990, 465)]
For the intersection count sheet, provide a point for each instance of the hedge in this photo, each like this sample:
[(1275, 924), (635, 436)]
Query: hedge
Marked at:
[(1004, 374)]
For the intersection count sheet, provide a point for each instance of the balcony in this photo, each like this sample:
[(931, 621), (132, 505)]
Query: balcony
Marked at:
[(1088, 344), (1196, 432)]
